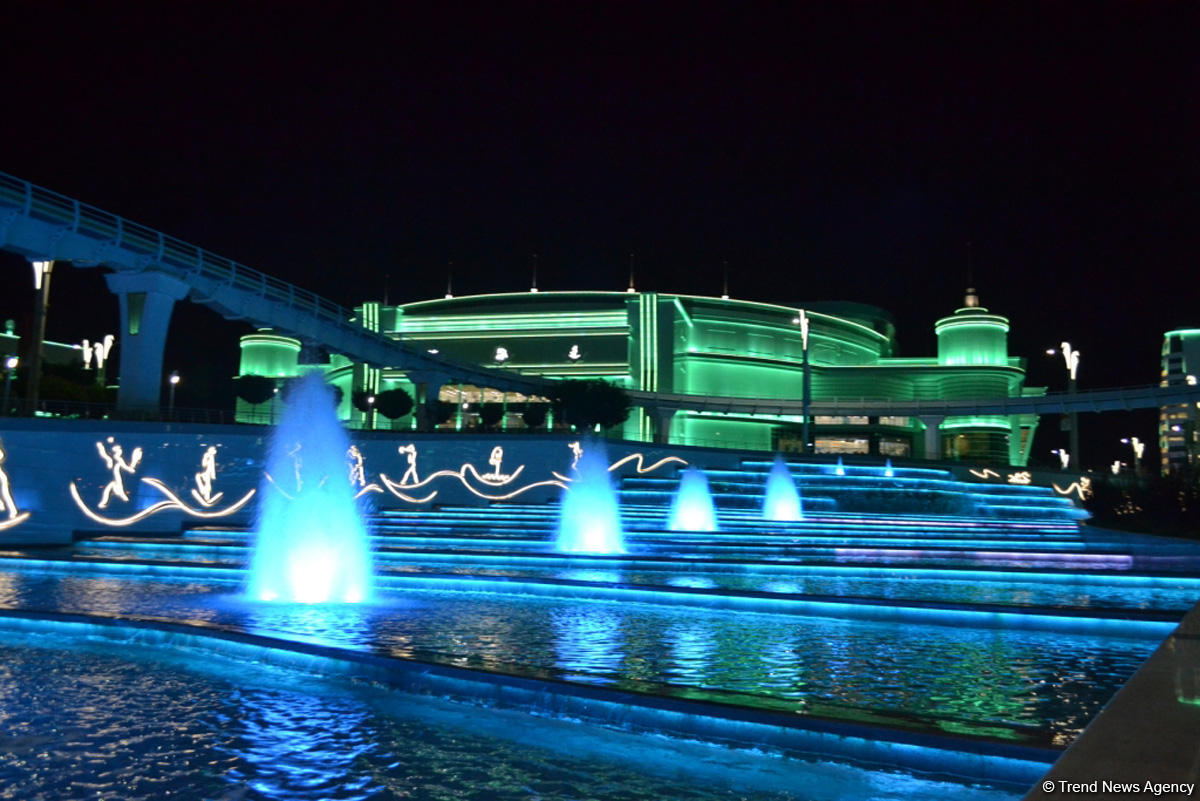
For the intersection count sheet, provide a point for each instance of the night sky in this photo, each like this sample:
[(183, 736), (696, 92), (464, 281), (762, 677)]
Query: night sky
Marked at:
[(828, 152)]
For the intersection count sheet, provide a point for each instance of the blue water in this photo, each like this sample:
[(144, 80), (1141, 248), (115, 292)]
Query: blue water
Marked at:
[(588, 518), (311, 542), (781, 499), (1034, 687), (692, 507), (75, 726)]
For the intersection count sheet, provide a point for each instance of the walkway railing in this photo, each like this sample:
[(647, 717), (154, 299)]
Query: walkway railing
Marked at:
[(86, 235)]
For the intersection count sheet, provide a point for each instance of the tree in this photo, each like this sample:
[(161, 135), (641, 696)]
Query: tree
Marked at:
[(358, 398), (490, 414), (445, 410), (593, 402), (535, 414), (393, 403), (254, 389)]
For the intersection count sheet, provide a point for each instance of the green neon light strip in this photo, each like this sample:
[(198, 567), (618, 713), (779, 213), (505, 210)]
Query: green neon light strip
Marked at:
[(687, 318), (721, 304), (789, 310), (988, 321), (272, 341), (510, 295), (435, 337)]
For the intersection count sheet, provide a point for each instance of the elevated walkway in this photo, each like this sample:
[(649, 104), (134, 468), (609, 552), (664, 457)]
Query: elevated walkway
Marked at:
[(44, 225)]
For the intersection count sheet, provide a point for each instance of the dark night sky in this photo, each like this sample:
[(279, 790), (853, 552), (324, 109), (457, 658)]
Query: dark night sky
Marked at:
[(843, 151)]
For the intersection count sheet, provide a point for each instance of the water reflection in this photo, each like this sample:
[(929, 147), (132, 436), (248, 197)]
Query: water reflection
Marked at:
[(293, 745), (587, 641), (691, 646)]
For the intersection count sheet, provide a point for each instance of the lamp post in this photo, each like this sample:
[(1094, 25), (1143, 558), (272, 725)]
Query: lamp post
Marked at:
[(370, 411), (801, 319), (1139, 448), (174, 382), (41, 284), (1071, 358), (10, 364)]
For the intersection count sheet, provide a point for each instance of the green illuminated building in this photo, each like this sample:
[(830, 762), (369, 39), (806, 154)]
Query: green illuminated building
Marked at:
[(668, 343), (1178, 434)]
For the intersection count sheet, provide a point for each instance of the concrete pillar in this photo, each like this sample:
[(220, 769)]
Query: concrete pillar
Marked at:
[(427, 387), (147, 300), (661, 420), (41, 282), (933, 437)]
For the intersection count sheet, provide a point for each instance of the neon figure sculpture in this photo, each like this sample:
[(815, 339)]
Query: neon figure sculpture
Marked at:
[(115, 460), (7, 505)]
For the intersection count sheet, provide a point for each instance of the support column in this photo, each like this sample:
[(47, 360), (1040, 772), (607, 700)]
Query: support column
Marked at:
[(147, 300), (662, 419), (933, 437), (428, 387), (41, 282)]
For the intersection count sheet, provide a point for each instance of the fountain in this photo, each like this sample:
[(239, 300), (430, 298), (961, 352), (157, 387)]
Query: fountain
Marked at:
[(840, 469), (588, 519), (887, 469), (692, 509), (782, 499), (311, 544)]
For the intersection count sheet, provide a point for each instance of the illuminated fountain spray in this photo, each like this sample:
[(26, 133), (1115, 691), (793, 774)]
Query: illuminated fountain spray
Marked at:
[(588, 518), (311, 543), (692, 509), (782, 498)]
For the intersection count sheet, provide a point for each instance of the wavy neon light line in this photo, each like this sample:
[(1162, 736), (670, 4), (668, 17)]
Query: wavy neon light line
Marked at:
[(987, 471), (641, 461), (207, 503), (1075, 486), (158, 485), (394, 488), (13, 522), (494, 482), (124, 521), (515, 493), (372, 487)]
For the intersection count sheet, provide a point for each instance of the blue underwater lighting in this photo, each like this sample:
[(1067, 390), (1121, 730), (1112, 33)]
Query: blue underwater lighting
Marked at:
[(782, 499), (692, 509), (311, 544), (589, 521)]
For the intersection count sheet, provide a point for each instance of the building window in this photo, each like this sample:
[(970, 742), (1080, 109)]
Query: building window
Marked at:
[(843, 445), (894, 446)]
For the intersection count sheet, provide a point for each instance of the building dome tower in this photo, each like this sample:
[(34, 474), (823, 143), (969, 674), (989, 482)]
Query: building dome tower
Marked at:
[(972, 336), (974, 363)]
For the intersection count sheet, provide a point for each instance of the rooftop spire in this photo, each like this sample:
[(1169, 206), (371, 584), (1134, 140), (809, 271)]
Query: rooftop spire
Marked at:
[(972, 299), (631, 289)]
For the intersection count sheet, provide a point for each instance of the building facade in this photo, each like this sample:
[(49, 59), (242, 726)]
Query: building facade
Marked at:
[(684, 344), (1178, 439)]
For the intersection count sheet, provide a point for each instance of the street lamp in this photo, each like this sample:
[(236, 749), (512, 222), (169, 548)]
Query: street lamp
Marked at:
[(10, 364), (1071, 358), (174, 382), (1139, 448), (370, 411), (801, 319)]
